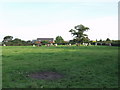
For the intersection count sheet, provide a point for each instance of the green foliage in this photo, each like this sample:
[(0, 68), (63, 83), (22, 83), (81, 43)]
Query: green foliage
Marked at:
[(82, 67), (7, 38), (45, 42), (85, 39), (18, 42), (100, 40), (107, 42), (73, 41), (108, 39), (59, 39), (115, 42), (79, 33)]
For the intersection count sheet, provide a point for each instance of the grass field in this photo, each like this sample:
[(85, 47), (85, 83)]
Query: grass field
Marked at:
[(82, 67)]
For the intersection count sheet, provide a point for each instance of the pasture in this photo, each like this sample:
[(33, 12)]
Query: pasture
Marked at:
[(79, 67)]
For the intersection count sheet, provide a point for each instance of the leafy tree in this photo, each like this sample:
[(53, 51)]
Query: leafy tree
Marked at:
[(85, 39), (29, 41), (100, 40), (17, 41), (108, 39), (59, 39), (78, 32), (7, 38), (72, 41)]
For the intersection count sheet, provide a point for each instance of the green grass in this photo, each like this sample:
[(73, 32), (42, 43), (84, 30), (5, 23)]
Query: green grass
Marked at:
[(82, 67)]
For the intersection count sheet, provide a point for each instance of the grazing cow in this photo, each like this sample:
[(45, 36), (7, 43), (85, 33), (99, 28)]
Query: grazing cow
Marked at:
[(70, 44), (95, 44), (89, 43), (48, 45), (55, 44), (85, 44), (39, 45), (4, 45), (51, 44), (109, 44), (33, 45), (78, 44)]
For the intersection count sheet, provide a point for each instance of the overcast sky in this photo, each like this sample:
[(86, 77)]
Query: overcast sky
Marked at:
[(31, 19)]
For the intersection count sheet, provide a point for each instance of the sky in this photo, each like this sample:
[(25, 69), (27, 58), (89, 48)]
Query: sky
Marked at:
[(32, 19)]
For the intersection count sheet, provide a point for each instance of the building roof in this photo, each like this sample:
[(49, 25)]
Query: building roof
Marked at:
[(42, 39)]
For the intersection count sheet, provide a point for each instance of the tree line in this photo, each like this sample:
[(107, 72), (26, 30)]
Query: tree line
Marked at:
[(9, 41), (79, 37)]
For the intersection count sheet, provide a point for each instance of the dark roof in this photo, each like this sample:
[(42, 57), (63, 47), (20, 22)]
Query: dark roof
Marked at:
[(42, 39)]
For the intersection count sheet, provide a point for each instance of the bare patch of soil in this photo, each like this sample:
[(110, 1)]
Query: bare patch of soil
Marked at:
[(46, 75)]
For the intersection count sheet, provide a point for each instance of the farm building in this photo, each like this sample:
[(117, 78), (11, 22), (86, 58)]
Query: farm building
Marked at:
[(51, 40), (39, 40)]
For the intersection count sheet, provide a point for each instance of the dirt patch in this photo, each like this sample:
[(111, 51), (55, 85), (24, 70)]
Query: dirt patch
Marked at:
[(46, 75)]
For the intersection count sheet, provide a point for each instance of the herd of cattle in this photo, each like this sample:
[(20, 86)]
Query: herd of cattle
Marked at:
[(77, 44)]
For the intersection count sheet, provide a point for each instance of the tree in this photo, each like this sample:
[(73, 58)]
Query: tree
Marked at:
[(59, 39), (72, 41), (108, 39), (100, 40), (79, 33), (7, 38), (86, 39), (17, 41)]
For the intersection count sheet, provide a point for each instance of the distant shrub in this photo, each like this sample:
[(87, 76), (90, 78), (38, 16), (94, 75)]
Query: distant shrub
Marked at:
[(117, 43)]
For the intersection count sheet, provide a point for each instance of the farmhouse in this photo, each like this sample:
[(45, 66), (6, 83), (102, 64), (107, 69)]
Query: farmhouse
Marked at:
[(50, 40), (39, 40)]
